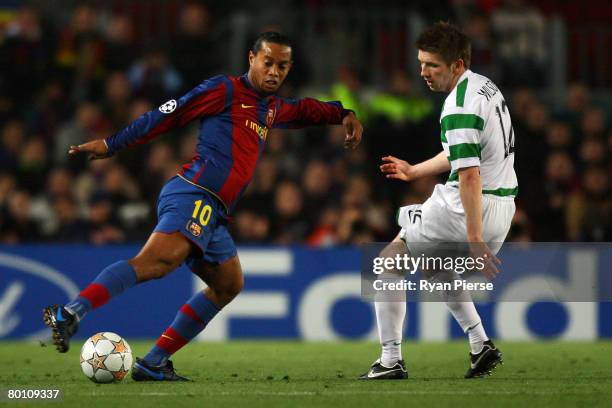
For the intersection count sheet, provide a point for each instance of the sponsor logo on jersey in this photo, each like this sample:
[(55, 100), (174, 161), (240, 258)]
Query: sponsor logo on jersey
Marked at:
[(244, 106), (168, 107), (262, 131)]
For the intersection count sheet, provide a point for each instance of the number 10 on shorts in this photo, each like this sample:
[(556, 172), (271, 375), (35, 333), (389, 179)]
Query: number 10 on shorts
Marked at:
[(204, 213)]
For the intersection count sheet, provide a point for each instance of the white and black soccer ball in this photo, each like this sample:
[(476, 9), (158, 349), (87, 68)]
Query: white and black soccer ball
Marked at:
[(106, 357)]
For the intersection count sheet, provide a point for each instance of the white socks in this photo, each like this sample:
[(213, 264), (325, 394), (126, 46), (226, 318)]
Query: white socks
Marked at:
[(477, 337), (390, 314), (466, 315), (390, 318)]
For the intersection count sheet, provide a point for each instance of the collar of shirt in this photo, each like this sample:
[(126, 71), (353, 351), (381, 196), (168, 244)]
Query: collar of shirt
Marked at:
[(245, 81)]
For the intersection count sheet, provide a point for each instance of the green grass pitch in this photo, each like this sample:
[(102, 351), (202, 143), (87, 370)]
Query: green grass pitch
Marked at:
[(268, 374)]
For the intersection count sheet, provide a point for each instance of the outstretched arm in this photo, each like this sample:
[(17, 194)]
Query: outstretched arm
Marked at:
[(208, 98), (298, 113), (395, 168), (96, 149)]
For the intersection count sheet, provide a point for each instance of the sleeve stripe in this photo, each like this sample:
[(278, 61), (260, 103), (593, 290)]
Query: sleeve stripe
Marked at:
[(461, 88), (459, 164), (457, 136), (464, 150), (462, 121)]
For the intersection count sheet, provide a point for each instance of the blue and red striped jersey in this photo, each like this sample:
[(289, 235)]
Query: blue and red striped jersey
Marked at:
[(234, 123)]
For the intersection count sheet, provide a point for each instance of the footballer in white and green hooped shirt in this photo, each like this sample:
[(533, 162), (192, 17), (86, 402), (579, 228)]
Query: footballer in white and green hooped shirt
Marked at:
[(475, 205)]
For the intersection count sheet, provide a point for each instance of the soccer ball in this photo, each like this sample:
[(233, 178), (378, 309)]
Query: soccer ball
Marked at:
[(106, 357)]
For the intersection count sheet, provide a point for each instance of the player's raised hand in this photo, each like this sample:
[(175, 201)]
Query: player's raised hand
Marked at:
[(353, 130), (395, 168), (96, 149)]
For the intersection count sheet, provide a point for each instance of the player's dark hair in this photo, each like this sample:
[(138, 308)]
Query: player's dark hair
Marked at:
[(446, 40), (270, 37)]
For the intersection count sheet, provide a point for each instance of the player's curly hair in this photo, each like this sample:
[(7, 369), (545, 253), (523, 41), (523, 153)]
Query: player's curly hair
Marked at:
[(448, 41), (270, 37)]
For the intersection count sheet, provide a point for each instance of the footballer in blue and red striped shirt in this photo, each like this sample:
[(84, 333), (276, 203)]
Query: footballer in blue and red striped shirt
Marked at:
[(235, 115)]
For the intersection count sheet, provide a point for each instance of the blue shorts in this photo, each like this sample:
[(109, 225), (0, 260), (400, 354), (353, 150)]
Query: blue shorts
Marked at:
[(199, 216)]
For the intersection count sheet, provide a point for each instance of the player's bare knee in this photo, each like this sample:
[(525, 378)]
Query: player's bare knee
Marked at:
[(226, 292), (153, 268), (231, 289)]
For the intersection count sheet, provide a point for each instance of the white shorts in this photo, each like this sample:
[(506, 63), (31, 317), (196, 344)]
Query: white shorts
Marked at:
[(434, 221)]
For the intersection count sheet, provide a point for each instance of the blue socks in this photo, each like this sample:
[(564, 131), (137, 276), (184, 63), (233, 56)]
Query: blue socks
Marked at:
[(112, 281), (191, 319)]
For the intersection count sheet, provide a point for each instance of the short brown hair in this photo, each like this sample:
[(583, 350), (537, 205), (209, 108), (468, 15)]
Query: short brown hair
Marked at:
[(446, 40)]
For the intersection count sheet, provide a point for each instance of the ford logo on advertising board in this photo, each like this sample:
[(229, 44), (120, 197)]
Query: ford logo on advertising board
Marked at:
[(27, 286)]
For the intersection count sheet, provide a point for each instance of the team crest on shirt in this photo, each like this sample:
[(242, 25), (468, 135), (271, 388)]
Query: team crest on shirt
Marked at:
[(194, 228), (270, 117), (168, 107)]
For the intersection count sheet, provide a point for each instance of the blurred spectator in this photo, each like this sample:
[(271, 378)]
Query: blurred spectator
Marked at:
[(59, 183), (560, 181), (484, 57), (401, 103), (80, 53), (395, 116), (88, 182), (324, 232), (103, 226), (70, 226), (589, 214), (420, 190), (519, 229), (593, 122), (33, 165), (118, 186), (49, 110), (559, 136), (260, 193), (77, 131), (7, 185), (577, 99), (317, 183), (530, 127), (11, 141), (160, 166), (289, 225), (153, 77), (64, 85), (120, 47), (117, 100), (25, 59), (520, 30), (19, 226), (593, 152), (251, 227), (192, 49), (347, 89)]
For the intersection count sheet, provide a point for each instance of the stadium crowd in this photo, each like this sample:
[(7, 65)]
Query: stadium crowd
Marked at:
[(66, 84)]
